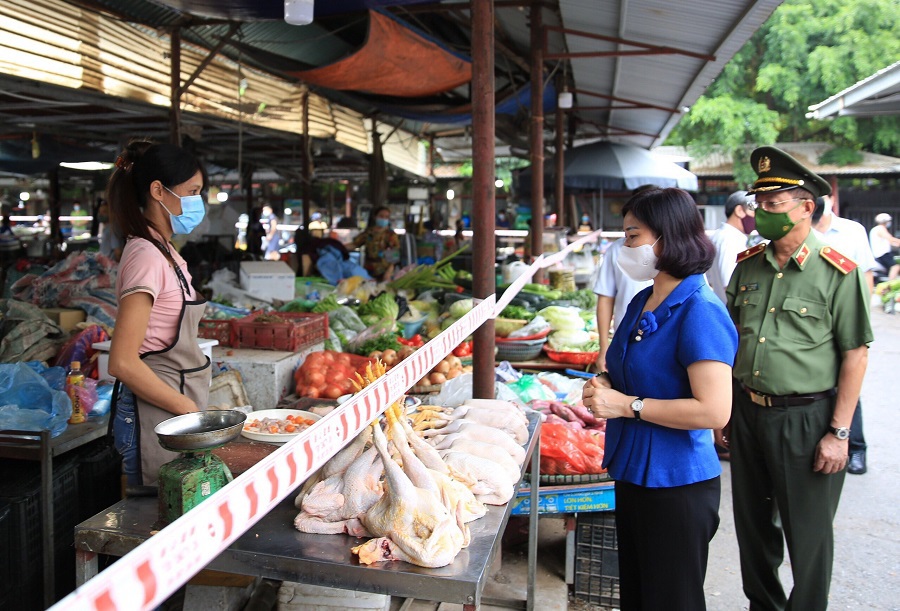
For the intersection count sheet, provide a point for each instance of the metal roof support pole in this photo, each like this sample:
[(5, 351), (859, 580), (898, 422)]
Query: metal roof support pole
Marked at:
[(55, 203), (175, 88), (560, 170), (484, 253), (307, 170), (537, 135)]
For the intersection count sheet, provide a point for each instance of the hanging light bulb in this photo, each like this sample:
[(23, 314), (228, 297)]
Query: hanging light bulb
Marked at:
[(298, 12), (564, 100)]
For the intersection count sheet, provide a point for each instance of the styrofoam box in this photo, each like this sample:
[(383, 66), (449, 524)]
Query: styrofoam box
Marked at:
[(272, 279), (206, 345)]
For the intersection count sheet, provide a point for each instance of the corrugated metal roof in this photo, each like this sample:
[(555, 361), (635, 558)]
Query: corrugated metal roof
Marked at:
[(706, 27), (719, 165)]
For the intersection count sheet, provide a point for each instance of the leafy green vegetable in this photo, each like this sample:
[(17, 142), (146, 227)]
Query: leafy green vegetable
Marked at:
[(326, 305), (585, 299), (462, 307), (384, 306), (517, 312)]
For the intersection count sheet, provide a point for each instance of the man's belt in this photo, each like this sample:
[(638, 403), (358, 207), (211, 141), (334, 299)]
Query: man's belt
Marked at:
[(786, 400)]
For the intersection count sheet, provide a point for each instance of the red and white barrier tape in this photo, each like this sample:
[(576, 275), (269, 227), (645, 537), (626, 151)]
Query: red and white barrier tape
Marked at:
[(150, 573)]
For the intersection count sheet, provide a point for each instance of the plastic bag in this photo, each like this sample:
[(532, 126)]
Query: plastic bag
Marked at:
[(101, 406), (567, 451), (562, 386), (535, 326), (80, 348), (506, 373), (454, 392), (529, 388), (30, 404)]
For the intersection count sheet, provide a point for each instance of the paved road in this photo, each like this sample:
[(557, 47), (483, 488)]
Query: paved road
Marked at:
[(867, 526)]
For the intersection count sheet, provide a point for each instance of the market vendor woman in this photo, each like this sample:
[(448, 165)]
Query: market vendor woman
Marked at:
[(155, 192), (382, 244)]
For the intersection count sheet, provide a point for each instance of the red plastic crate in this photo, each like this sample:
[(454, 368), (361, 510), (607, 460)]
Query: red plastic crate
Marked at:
[(300, 330), (216, 329)]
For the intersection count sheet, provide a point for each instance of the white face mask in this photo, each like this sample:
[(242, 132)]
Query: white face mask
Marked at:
[(639, 262)]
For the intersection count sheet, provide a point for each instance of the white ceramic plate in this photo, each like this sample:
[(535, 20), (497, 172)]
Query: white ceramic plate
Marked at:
[(412, 404), (280, 414)]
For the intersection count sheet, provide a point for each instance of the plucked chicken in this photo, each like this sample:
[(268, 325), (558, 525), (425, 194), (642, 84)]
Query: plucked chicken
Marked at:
[(410, 523)]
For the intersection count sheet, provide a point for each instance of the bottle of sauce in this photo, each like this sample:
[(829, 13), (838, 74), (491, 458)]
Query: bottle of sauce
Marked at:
[(75, 379)]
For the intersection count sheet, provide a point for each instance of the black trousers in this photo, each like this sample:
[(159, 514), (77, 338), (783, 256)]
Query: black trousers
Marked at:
[(778, 497), (663, 536)]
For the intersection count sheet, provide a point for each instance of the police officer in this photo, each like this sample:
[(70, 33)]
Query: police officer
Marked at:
[(802, 313)]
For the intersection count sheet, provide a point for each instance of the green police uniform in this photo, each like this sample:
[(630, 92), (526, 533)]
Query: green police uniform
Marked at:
[(795, 323)]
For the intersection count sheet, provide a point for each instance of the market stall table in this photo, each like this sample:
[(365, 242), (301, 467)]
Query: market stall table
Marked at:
[(273, 549)]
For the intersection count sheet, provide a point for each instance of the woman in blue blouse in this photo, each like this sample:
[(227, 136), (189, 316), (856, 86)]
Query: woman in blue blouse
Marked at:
[(668, 384)]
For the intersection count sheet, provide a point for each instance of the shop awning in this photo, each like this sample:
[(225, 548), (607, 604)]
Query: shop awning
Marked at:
[(395, 60)]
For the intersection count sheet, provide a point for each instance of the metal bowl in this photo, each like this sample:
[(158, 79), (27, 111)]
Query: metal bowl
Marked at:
[(200, 430)]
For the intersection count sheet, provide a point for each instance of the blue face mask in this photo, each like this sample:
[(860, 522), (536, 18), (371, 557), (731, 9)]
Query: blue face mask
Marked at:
[(192, 213), (382, 222)]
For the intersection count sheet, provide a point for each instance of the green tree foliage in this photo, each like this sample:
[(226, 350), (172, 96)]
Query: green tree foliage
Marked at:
[(806, 52)]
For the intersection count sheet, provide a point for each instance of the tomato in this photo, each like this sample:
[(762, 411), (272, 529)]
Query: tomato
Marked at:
[(289, 428), (464, 349)]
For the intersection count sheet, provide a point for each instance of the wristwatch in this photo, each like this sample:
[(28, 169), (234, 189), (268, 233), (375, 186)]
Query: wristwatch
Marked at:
[(636, 406), (841, 432)]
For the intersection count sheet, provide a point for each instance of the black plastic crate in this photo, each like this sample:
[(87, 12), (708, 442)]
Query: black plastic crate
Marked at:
[(20, 487), (6, 575), (597, 559), (99, 478)]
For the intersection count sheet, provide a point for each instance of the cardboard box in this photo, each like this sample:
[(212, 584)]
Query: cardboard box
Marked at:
[(268, 279), (66, 318)]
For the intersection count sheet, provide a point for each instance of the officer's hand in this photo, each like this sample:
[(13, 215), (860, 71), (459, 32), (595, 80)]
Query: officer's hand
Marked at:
[(723, 436), (831, 455)]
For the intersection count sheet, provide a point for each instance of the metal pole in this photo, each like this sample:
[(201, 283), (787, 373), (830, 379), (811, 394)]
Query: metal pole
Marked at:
[(175, 88), (484, 253), (537, 136), (307, 162), (560, 170)]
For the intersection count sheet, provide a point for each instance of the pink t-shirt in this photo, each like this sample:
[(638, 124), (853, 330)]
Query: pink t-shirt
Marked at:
[(144, 269)]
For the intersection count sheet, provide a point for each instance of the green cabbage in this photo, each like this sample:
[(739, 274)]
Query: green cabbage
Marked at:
[(563, 318)]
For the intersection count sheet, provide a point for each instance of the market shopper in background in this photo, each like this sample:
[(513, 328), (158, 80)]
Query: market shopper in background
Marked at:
[(155, 192), (802, 313), (730, 240), (615, 290), (381, 243), (848, 237), (273, 236), (668, 384), (110, 242), (882, 241)]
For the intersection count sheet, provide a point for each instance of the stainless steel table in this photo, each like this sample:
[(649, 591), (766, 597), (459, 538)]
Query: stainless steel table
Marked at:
[(272, 548)]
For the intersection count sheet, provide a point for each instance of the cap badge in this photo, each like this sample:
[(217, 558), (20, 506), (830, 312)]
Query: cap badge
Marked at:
[(765, 164)]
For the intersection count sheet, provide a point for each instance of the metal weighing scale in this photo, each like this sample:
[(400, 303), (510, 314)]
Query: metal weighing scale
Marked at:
[(192, 477)]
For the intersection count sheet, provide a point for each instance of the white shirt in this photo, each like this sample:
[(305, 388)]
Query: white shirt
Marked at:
[(880, 244), (729, 242), (613, 282), (849, 237)]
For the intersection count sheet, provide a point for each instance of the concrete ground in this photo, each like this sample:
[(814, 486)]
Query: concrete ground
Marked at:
[(867, 526)]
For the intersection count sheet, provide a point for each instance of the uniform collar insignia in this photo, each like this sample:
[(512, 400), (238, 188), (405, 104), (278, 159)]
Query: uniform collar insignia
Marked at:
[(802, 255)]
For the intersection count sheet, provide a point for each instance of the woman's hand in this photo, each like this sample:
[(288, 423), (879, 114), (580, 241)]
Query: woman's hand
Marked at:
[(604, 402)]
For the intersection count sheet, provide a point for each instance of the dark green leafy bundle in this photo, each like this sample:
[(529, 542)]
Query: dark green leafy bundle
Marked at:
[(585, 299), (517, 312)]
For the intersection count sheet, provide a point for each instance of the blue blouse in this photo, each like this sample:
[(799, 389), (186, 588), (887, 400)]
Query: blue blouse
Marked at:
[(690, 325)]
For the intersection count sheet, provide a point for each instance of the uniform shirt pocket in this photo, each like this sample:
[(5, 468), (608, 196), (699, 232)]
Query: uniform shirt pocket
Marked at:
[(748, 306), (804, 320)]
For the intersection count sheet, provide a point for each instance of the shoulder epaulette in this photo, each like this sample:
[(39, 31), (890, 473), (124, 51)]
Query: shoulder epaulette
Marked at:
[(752, 251), (843, 263)]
